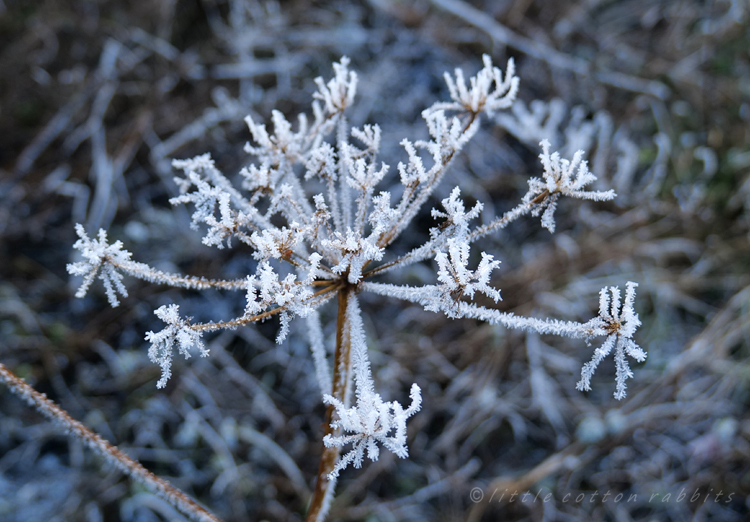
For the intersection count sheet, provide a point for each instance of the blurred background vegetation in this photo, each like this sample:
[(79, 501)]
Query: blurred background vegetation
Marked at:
[(96, 98)]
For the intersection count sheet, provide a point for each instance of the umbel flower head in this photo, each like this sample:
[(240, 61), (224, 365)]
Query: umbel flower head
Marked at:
[(99, 259), (561, 177), (619, 325), (314, 214)]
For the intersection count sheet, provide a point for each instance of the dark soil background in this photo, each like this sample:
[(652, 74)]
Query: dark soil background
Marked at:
[(97, 97)]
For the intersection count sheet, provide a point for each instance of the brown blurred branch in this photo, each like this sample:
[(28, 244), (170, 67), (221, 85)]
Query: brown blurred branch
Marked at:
[(111, 454)]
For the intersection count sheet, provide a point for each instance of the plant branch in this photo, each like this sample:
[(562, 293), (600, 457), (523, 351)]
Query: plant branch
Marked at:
[(411, 203), (507, 218), (241, 321), (430, 248), (143, 271), (111, 454)]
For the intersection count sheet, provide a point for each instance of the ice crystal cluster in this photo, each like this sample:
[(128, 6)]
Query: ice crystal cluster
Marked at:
[(309, 210)]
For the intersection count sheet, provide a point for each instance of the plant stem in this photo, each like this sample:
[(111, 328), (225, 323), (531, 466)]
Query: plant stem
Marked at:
[(323, 495), (110, 453)]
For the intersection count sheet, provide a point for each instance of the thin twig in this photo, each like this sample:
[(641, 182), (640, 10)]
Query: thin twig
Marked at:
[(111, 454), (508, 218), (320, 295), (409, 207), (146, 273), (422, 253)]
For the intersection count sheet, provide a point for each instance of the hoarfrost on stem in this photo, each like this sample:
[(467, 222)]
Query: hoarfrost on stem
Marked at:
[(372, 420)]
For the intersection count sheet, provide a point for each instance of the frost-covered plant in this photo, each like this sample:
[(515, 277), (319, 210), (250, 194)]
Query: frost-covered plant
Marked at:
[(309, 211), (620, 325)]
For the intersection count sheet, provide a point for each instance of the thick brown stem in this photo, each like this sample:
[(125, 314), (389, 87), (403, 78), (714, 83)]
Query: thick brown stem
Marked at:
[(324, 487)]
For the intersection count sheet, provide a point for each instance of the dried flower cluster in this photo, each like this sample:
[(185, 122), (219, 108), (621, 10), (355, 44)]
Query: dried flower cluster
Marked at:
[(309, 211)]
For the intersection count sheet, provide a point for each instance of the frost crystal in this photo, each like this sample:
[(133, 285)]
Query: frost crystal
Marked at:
[(338, 93), (480, 97), (457, 281), (368, 423), (355, 252)]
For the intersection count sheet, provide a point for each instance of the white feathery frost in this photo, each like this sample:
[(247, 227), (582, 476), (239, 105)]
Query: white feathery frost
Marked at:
[(456, 218), (561, 177), (339, 92), (618, 324), (458, 281), (480, 96), (355, 251), (372, 420), (178, 332), (98, 256)]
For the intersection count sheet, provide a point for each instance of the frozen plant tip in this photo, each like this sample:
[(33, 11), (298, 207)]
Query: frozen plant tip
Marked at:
[(619, 324), (178, 332), (371, 421), (99, 255), (480, 96), (561, 176)]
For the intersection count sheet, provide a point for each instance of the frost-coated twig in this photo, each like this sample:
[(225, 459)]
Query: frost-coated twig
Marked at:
[(110, 453), (507, 218), (432, 247), (433, 299), (318, 298), (104, 260)]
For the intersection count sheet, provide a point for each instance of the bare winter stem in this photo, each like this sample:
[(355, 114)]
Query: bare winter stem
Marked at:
[(111, 454)]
